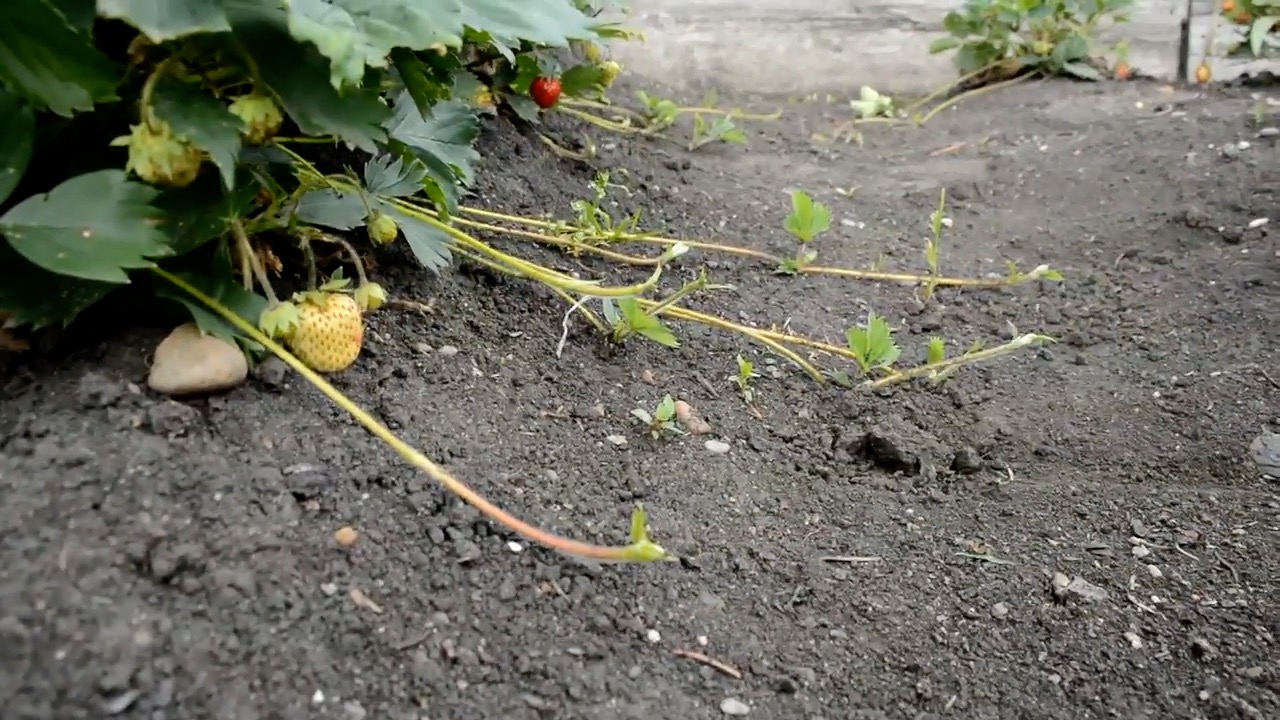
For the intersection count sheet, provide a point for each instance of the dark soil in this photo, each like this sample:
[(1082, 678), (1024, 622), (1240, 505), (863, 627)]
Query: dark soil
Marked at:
[(176, 560)]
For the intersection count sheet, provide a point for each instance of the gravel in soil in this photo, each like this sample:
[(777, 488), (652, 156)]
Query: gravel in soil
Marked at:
[(1076, 532)]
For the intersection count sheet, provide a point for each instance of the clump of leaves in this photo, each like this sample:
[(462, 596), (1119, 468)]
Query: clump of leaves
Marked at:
[(1256, 24), (721, 129), (201, 173), (662, 421), (997, 39), (807, 220), (871, 104)]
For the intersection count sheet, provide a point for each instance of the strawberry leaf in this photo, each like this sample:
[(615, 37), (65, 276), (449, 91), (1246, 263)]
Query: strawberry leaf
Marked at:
[(17, 141), (442, 139), (50, 64), (93, 226), (200, 118), (163, 21), (31, 295)]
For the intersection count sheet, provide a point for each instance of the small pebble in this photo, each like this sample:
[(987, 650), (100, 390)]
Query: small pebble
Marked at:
[(346, 536), (653, 636), (734, 706), (999, 610), (618, 440), (1141, 551), (514, 546), (448, 350), (1134, 641), (717, 447), (1154, 571)]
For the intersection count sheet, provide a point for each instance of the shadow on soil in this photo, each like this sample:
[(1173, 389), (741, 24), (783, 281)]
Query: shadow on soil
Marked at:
[(175, 560)]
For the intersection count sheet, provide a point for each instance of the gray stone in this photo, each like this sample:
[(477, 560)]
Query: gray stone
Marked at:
[(188, 362)]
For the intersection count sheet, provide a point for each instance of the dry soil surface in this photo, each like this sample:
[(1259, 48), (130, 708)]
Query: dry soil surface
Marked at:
[(1072, 532)]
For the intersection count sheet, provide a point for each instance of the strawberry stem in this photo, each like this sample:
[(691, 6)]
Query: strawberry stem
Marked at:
[(247, 255), (639, 550)]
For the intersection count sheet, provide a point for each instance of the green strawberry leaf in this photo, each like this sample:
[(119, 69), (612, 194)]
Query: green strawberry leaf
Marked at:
[(200, 118), (429, 243), (356, 34), (218, 281), (31, 295), (299, 75), (426, 76), (544, 22), (442, 138), (161, 21), (47, 62), (17, 140), (93, 226), (199, 212), (808, 219), (331, 208), (392, 176)]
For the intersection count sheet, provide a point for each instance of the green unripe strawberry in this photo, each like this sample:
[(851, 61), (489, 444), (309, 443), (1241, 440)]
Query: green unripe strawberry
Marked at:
[(383, 229), (370, 296), (261, 116), (609, 71), (159, 156)]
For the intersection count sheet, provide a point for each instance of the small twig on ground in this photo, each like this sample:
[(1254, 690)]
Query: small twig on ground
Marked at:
[(1269, 379), (985, 558), (851, 559), (427, 308), (1235, 576), (708, 661)]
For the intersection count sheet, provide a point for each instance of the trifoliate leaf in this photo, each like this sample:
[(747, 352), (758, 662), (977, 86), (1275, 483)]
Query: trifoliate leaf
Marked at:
[(49, 63), (445, 135), (93, 226), (392, 176), (17, 140)]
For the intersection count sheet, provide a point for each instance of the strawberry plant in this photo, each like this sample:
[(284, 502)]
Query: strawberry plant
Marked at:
[(217, 152), (1000, 39), (1257, 27)]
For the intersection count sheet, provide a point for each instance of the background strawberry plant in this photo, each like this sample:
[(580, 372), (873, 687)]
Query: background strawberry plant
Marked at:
[(187, 134)]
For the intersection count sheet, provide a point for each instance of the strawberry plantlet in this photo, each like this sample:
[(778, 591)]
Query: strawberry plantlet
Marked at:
[(662, 421), (721, 130), (594, 222), (659, 113), (872, 345), (746, 373), (937, 220), (626, 317), (807, 220)]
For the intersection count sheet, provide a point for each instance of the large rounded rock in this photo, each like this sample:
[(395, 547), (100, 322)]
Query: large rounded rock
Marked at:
[(188, 362)]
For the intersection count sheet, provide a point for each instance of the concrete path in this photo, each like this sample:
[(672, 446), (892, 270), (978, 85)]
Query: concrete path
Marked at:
[(834, 46)]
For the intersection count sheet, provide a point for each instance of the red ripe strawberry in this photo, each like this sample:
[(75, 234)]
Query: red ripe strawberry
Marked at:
[(545, 91)]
